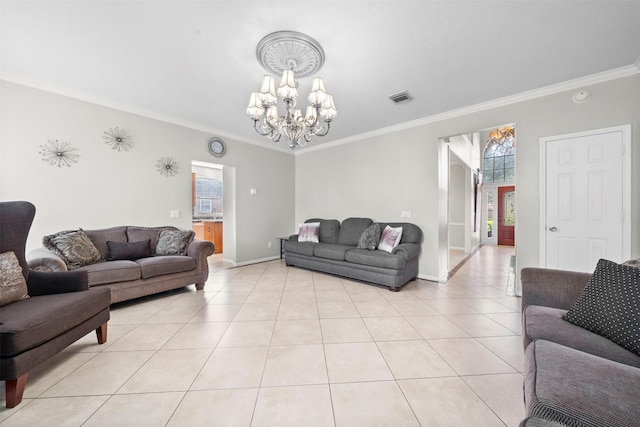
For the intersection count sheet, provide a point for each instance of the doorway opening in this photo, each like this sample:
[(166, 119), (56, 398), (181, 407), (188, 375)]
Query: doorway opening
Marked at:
[(477, 174), (207, 207), (459, 217), (498, 181)]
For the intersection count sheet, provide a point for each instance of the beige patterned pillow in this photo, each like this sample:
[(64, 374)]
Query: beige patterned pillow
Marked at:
[(13, 287), (174, 242), (75, 248)]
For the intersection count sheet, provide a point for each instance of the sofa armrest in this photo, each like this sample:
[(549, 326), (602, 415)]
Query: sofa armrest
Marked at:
[(407, 250), (42, 259), (200, 248), (551, 288), (48, 283), (293, 238)]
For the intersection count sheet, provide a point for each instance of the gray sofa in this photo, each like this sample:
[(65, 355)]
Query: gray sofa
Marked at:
[(573, 377), (337, 253), (134, 278)]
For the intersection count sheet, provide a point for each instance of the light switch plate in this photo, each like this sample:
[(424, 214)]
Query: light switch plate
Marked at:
[(174, 214)]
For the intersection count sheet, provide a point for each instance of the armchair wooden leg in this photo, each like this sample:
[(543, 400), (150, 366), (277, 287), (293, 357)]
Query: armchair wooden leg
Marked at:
[(101, 333), (199, 286), (14, 390)]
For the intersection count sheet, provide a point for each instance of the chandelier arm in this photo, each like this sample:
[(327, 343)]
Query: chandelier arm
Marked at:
[(263, 133), (326, 129)]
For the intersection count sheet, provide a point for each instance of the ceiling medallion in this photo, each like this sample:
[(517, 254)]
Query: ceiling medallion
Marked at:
[(286, 50)]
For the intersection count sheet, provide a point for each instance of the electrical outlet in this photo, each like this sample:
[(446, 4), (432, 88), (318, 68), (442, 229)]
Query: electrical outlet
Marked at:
[(405, 214), (269, 244)]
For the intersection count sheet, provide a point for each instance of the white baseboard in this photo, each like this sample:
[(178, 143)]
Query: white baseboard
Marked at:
[(256, 261)]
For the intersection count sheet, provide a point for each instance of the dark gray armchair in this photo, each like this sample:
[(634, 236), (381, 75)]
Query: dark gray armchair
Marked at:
[(60, 309)]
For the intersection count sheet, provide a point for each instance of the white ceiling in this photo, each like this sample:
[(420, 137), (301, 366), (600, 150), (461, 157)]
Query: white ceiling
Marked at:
[(194, 62)]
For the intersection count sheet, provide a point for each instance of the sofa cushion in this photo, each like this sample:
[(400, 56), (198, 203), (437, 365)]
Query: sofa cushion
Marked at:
[(540, 422), (13, 287), (130, 251), (609, 305), (370, 237), (112, 272), (390, 238), (28, 323), (301, 248), (578, 389), (100, 237), (331, 251), (351, 229), (162, 265), (309, 232), (138, 234), (375, 258), (74, 247), (174, 242), (547, 323), (329, 229)]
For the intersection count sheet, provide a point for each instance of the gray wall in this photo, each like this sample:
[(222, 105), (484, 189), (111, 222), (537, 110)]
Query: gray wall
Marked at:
[(381, 175), (377, 177), (108, 188)]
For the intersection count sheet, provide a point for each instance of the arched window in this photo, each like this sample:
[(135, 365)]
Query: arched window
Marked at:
[(499, 160)]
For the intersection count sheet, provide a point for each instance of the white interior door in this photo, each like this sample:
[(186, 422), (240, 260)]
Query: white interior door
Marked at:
[(585, 188)]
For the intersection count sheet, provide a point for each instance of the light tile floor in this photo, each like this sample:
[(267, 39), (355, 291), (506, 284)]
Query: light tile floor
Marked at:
[(270, 345)]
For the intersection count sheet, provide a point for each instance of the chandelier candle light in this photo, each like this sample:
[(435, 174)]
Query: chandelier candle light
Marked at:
[(291, 54)]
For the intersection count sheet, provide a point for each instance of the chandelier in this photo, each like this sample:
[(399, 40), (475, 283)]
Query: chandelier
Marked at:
[(290, 54), (500, 136)]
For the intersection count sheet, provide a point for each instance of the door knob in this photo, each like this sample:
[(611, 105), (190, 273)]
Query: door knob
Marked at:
[(553, 229)]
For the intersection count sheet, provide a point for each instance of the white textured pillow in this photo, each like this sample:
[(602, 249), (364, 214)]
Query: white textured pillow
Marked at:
[(309, 232), (390, 238)]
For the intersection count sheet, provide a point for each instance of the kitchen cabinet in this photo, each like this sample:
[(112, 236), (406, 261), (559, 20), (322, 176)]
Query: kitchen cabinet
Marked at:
[(211, 231)]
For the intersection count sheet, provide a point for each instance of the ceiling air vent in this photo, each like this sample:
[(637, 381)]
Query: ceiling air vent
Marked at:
[(399, 97)]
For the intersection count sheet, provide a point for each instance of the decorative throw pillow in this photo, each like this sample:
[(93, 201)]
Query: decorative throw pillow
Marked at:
[(13, 287), (610, 305), (174, 242), (370, 237), (74, 247), (390, 238), (309, 232), (130, 251)]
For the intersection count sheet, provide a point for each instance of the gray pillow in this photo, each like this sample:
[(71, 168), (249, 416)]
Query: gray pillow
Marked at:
[(370, 237), (128, 251), (74, 247), (174, 242), (608, 306)]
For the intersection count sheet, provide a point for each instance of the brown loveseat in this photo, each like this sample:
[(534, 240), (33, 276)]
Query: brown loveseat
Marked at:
[(133, 274), (59, 310)]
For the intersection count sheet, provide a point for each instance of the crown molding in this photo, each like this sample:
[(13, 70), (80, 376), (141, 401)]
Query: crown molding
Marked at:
[(109, 103), (499, 102)]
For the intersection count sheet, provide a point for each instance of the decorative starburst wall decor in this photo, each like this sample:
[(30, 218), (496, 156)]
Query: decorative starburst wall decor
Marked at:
[(118, 139), (57, 153), (167, 166)]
